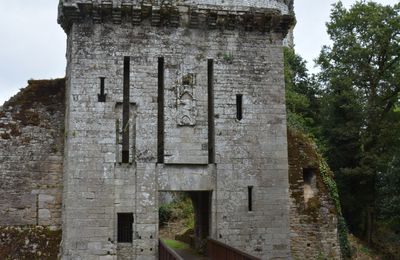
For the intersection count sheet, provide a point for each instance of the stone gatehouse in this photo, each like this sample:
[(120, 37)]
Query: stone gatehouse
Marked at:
[(161, 96), (175, 96)]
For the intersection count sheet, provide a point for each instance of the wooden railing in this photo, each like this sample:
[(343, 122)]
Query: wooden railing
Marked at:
[(166, 253), (219, 251)]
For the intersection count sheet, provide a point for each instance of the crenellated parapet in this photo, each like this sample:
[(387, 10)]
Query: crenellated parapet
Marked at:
[(257, 15)]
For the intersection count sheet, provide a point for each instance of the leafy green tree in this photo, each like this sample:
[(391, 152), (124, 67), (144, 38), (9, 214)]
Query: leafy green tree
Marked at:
[(361, 77), (301, 94)]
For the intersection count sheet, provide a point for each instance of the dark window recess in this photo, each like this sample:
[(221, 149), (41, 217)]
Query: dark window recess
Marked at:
[(250, 197), (308, 175), (239, 107), (161, 124), (211, 123), (125, 156), (102, 96), (125, 230), (126, 112)]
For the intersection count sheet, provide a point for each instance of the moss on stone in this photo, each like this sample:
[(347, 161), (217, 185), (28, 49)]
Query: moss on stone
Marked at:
[(30, 242), (49, 93), (26, 108), (303, 154)]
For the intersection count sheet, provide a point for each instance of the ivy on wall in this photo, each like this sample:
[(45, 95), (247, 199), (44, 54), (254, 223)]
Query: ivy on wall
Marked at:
[(327, 177)]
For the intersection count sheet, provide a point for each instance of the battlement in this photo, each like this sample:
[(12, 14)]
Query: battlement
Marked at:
[(283, 5), (259, 15)]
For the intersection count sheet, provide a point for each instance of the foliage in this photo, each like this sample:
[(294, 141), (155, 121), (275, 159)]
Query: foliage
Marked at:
[(360, 75), (352, 109), (180, 208), (327, 177), (164, 214), (360, 250), (175, 244), (304, 105), (301, 94), (387, 235), (389, 193)]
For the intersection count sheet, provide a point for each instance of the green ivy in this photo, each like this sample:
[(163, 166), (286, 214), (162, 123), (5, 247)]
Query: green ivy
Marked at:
[(330, 183)]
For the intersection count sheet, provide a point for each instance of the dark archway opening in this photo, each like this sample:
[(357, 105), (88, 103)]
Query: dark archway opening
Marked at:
[(201, 201)]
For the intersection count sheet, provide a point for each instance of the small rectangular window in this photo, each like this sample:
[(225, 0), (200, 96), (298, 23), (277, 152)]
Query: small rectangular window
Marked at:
[(125, 230), (239, 107), (250, 197), (102, 96)]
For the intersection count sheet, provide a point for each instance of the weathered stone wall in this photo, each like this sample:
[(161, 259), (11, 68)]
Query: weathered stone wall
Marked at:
[(313, 215), (31, 155), (246, 47), (312, 223), (251, 152), (29, 242)]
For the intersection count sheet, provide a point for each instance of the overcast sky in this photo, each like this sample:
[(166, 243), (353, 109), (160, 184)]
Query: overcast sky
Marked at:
[(32, 45)]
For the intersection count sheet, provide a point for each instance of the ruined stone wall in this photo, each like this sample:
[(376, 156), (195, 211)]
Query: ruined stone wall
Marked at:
[(313, 215), (31, 155), (29, 242), (312, 224)]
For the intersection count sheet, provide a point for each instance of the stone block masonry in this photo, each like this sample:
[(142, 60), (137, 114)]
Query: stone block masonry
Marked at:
[(112, 163), (160, 96), (313, 215), (31, 155), (313, 221)]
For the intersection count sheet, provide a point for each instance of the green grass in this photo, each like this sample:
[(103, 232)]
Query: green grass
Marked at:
[(175, 244)]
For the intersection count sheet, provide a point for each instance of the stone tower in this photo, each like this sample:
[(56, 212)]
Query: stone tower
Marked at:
[(181, 95)]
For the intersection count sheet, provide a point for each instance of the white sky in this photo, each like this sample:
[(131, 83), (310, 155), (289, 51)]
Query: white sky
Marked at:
[(32, 44)]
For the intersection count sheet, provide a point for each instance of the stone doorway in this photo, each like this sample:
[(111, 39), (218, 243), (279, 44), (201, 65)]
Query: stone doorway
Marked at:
[(185, 216)]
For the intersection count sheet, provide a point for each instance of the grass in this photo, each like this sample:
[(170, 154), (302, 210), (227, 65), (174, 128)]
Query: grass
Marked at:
[(175, 244)]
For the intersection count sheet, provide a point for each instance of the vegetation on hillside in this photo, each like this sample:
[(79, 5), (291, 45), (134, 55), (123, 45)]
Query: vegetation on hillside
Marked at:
[(352, 109), (179, 208)]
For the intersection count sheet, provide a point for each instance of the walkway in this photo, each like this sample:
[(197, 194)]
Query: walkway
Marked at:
[(184, 250), (190, 254)]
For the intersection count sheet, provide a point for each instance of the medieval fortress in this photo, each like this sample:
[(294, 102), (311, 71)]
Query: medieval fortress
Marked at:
[(180, 95)]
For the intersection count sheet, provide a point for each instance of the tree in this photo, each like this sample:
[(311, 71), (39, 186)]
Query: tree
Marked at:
[(301, 94), (361, 76)]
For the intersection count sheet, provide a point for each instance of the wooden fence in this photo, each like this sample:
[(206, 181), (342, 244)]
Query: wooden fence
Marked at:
[(219, 251), (166, 253)]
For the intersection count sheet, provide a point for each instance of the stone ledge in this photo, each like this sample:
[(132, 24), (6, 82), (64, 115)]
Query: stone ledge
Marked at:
[(198, 16)]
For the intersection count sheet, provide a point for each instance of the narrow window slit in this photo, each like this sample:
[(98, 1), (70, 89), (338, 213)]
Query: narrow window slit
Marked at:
[(211, 123), (126, 112), (239, 107), (250, 197), (160, 99), (125, 229), (102, 96)]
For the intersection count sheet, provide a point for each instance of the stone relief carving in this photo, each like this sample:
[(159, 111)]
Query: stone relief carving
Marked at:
[(186, 103)]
